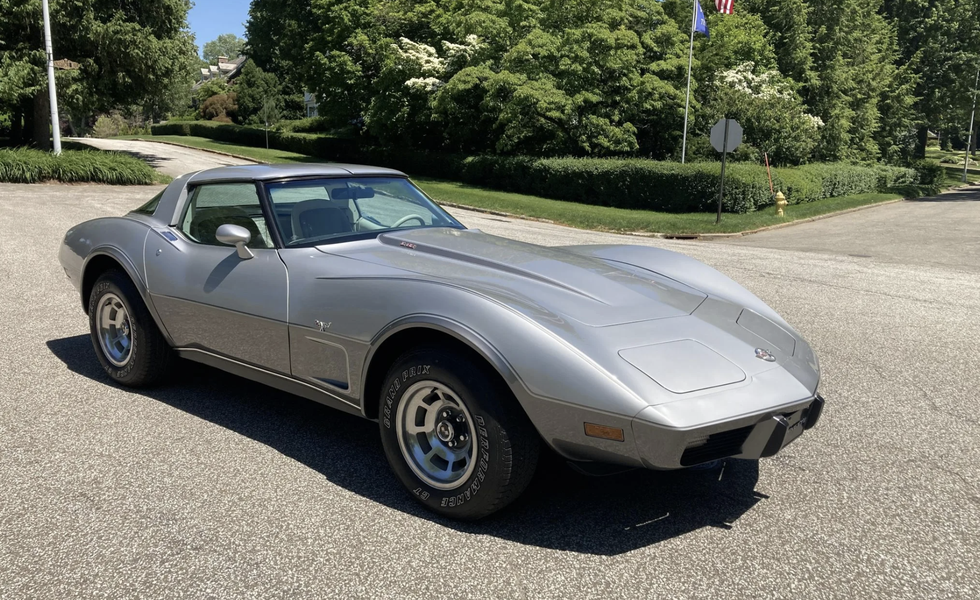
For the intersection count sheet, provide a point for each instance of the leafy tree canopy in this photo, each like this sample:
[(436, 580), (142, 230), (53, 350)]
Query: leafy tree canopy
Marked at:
[(228, 45), (135, 53), (853, 79)]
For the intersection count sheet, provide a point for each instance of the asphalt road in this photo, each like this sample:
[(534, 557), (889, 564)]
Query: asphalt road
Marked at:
[(214, 487), (940, 232)]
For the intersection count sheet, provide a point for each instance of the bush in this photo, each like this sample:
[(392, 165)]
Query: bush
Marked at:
[(930, 172), (895, 176), (308, 125), (632, 183), (108, 126), (33, 166), (220, 108), (622, 183)]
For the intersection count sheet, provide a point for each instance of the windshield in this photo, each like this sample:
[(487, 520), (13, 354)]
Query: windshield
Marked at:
[(311, 212)]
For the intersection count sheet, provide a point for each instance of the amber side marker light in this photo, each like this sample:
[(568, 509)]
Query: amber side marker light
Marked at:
[(605, 432)]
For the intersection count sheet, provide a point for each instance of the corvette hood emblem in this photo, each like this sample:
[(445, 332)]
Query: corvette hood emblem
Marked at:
[(764, 355)]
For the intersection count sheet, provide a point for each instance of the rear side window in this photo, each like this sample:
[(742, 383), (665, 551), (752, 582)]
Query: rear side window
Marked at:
[(150, 207), (212, 206)]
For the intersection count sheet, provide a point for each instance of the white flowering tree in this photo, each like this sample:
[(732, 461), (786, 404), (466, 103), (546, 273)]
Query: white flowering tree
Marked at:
[(770, 111), (412, 76)]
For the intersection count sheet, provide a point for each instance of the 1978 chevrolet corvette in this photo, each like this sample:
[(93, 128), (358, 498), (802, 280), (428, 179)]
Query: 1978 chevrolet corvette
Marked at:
[(347, 285)]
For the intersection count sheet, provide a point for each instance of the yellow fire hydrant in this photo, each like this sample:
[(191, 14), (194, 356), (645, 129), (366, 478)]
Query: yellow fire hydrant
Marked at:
[(780, 203)]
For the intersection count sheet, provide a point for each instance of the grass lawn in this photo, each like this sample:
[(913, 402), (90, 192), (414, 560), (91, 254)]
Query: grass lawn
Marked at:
[(570, 213), (950, 160)]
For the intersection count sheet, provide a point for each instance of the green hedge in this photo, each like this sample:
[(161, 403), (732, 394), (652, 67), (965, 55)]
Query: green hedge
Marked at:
[(931, 173), (302, 143), (622, 183), (73, 166), (632, 183)]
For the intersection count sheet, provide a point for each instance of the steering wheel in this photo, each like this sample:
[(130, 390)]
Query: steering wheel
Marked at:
[(408, 218)]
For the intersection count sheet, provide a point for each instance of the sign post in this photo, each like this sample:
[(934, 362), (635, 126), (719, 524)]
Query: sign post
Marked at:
[(726, 136)]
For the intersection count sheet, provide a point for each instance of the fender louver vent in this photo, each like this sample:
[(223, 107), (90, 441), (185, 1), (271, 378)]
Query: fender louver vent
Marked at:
[(718, 445)]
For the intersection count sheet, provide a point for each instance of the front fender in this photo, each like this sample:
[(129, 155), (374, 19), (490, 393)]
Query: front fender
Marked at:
[(558, 386)]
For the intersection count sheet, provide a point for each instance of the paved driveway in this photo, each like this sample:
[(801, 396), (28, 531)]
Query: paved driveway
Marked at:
[(216, 487), (166, 158)]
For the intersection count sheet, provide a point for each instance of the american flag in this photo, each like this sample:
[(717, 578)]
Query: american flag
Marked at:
[(724, 6)]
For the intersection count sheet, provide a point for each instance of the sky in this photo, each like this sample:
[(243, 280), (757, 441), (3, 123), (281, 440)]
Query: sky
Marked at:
[(211, 18)]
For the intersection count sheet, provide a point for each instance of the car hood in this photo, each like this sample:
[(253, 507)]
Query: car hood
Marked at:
[(548, 282)]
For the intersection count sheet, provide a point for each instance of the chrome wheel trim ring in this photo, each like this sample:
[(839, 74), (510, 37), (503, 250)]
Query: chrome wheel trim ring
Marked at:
[(425, 435), (114, 330)]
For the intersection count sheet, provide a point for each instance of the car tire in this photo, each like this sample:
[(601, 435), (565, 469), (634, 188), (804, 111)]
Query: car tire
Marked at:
[(127, 341), (432, 399)]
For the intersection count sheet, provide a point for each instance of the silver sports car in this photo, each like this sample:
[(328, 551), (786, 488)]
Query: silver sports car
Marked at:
[(347, 285)]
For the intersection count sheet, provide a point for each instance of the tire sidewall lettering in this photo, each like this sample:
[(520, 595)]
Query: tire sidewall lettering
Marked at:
[(116, 373), (445, 498)]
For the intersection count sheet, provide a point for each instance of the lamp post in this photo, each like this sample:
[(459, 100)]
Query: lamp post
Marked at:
[(969, 139), (52, 91)]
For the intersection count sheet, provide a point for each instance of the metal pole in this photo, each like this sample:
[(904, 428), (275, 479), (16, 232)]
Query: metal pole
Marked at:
[(52, 91), (724, 159), (690, 60), (969, 139)]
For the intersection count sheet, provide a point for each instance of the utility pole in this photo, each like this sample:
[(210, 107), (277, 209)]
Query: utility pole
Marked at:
[(969, 139), (52, 91)]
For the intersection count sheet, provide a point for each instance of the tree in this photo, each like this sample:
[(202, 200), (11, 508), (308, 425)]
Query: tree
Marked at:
[(770, 111), (254, 88), (131, 54), (269, 115), (228, 45), (940, 42)]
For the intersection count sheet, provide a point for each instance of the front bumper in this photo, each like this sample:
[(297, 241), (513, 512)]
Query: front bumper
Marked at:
[(754, 436)]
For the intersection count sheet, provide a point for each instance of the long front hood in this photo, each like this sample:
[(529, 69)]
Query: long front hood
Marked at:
[(548, 282)]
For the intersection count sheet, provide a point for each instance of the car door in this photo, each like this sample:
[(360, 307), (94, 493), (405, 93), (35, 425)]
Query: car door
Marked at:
[(208, 297)]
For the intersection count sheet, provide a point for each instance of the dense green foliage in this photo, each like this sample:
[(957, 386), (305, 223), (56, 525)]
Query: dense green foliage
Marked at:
[(134, 55), (73, 166), (228, 45), (831, 80), (256, 89), (622, 183)]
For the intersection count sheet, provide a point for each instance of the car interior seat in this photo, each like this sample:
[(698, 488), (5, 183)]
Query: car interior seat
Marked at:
[(319, 218)]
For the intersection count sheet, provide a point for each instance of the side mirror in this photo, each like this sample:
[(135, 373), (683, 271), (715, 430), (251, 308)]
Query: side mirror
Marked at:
[(235, 235)]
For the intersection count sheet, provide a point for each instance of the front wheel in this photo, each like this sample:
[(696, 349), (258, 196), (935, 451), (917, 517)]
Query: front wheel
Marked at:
[(454, 434), (130, 347)]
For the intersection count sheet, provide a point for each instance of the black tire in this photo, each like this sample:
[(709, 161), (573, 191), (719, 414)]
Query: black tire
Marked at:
[(505, 444), (150, 357)]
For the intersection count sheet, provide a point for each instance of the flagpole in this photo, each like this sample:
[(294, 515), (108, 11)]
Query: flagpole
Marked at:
[(969, 139), (690, 60)]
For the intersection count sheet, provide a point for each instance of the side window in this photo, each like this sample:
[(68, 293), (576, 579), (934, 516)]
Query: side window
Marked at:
[(150, 207), (212, 206)]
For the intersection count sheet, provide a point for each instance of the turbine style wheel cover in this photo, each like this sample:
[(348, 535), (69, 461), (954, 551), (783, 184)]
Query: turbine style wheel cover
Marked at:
[(115, 330), (435, 434)]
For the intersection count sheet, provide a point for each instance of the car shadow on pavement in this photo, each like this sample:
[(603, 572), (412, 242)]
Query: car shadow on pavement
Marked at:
[(562, 509)]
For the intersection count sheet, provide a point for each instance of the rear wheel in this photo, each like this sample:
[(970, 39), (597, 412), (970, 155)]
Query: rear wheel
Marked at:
[(126, 339), (455, 435)]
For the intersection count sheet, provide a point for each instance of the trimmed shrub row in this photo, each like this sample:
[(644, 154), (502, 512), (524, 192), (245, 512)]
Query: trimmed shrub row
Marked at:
[(621, 183), (24, 165), (303, 143)]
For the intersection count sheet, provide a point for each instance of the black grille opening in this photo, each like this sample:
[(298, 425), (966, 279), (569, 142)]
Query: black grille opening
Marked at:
[(718, 445)]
